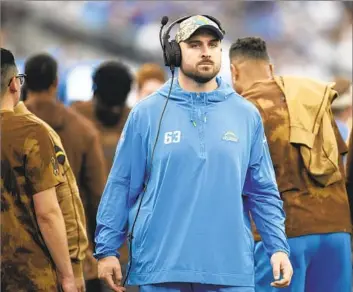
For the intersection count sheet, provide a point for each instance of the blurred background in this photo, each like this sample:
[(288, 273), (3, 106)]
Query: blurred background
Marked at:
[(312, 38)]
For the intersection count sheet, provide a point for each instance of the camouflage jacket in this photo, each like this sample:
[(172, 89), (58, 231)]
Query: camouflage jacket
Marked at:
[(28, 166), (82, 145), (310, 208), (68, 198)]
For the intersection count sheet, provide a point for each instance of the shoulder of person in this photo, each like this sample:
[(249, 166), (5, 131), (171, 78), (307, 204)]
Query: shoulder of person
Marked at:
[(81, 105), (33, 123), (79, 121), (26, 129), (147, 105)]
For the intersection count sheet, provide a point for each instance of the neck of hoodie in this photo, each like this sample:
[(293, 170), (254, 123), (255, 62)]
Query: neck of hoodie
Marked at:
[(197, 103), (191, 85)]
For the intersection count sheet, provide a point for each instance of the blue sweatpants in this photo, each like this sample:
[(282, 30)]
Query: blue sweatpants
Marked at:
[(192, 287), (321, 263)]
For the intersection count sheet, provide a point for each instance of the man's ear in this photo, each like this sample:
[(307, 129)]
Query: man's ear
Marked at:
[(234, 71), (56, 82), (272, 69)]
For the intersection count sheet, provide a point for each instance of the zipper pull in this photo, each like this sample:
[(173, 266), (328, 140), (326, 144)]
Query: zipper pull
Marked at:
[(194, 123)]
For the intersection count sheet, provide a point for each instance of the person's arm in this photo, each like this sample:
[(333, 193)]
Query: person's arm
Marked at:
[(264, 201), (124, 183), (42, 176), (51, 223), (74, 217), (266, 207)]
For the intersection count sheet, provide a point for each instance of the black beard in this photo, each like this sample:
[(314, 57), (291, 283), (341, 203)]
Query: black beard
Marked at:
[(106, 117), (197, 77)]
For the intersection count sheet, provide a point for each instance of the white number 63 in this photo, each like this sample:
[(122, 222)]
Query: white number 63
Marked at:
[(172, 137)]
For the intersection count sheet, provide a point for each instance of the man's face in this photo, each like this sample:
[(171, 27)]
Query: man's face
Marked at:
[(201, 56)]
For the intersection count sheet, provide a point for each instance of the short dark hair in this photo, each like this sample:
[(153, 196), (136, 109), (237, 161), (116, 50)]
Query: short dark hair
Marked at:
[(112, 83), (8, 69), (249, 47), (7, 58), (41, 71)]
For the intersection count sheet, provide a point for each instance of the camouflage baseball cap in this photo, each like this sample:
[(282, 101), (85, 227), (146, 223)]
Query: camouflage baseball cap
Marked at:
[(192, 24)]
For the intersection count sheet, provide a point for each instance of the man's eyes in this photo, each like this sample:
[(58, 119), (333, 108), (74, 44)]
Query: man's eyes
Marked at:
[(195, 45)]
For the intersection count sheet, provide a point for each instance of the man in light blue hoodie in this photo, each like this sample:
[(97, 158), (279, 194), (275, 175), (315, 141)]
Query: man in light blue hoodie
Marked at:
[(184, 183)]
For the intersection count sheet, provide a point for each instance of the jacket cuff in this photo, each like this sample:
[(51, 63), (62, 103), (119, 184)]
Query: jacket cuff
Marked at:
[(77, 268), (100, 256), (286, 251)]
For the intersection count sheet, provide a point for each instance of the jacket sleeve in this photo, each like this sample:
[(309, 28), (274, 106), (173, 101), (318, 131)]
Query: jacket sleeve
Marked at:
[(73, 212), (94, 178), (264, 202), (75, 224), (123, 186)]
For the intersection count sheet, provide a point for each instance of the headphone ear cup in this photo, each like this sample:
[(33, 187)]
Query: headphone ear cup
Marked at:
[(167, 53), (176, 52)]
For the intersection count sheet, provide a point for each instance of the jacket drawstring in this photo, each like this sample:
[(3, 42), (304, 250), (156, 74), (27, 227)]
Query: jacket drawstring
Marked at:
[(193, 112)]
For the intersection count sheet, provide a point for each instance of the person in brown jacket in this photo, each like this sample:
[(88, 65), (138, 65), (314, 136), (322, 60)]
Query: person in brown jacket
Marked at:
[(34, 246), (318, 222), (107, 109), (80, 140), (112, 82)]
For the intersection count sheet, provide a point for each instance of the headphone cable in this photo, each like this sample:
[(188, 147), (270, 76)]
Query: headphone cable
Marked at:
[(130, 235)]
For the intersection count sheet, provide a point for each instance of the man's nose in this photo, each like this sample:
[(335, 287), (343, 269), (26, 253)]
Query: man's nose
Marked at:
[(205, 52)]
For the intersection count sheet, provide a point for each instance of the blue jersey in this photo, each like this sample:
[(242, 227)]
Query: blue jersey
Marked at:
[(211, 169)]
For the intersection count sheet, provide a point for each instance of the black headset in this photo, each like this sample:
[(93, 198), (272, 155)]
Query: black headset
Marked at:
[(171, 49)]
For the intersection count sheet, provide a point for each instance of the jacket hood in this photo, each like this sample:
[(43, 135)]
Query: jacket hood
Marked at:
[(193, 101), (180, 95)]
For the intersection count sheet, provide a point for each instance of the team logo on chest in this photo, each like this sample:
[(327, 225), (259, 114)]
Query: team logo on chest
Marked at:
[(230, 136)]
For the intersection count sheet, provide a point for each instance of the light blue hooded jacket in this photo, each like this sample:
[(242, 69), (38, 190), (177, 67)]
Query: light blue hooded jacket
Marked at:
[(210, 168)]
